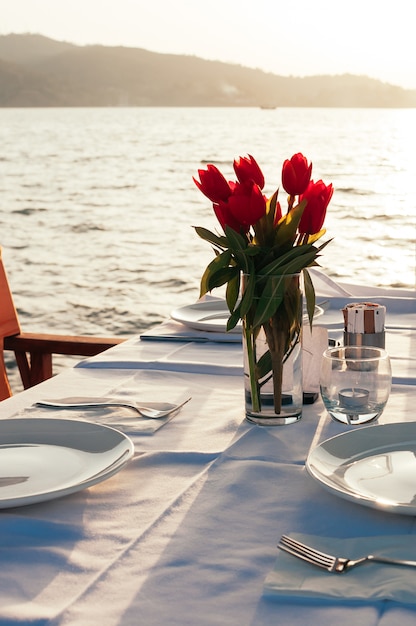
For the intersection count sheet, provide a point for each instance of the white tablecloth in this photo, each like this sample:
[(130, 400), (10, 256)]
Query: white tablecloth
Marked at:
[(186, 533)]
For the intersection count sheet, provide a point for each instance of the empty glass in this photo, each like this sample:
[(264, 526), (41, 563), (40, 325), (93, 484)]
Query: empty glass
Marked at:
[(355, 383)]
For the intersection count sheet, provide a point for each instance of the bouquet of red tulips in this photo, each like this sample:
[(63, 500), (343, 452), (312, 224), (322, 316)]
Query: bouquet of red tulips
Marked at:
[(261, 242), (257, 238)]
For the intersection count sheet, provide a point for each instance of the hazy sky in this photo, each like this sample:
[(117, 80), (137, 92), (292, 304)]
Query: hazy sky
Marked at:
[(290, 37)]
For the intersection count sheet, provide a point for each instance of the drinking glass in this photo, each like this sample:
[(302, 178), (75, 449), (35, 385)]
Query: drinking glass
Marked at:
[(355, 383)]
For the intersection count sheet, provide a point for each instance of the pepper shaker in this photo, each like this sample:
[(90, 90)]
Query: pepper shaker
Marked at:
[(364, 324)]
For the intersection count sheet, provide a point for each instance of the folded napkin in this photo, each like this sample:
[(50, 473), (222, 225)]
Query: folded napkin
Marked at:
[(121, 418), (326, 286), (295, 579)]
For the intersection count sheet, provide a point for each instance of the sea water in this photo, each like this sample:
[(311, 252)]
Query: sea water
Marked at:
[(97, 205)]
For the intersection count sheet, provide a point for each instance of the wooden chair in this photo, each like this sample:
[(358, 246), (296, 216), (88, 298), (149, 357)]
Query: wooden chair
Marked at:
[(34, 351)]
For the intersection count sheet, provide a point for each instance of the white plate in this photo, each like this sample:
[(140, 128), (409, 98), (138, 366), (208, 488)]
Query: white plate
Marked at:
[(374, 466), (42, 459), (210, 315)]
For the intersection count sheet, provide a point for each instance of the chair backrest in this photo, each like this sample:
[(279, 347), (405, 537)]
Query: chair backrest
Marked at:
[(9, 325)]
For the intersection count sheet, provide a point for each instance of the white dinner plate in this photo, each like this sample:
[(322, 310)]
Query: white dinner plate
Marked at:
[(373, 465), (210, 315), (42, 459)]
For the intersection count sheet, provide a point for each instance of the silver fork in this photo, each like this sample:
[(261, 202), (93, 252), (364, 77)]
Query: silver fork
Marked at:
[(152, 412), (334, 564)]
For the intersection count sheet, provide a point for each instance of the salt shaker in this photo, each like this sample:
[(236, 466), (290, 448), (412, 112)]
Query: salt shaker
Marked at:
[(364, 324)]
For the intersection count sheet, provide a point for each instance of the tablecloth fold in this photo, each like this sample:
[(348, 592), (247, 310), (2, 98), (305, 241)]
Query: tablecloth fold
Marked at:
[(185, 357)]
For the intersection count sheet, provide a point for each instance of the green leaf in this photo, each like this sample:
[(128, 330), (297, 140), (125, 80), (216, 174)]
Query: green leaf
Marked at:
[(235, 240), (272, 205), (323, 245), (233, 319), (286, 231), (248, 295), (204, 282), (264, 228), (207, 235), (284, 260), (222, 276), (253, 250), (264, 365), (241, 260), (299, 263), (309, 295), (270, 299), (291, 262), (218, 263), (232, 292)]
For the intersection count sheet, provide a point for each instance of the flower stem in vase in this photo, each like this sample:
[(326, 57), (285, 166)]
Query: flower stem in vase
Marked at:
[(276, 341), (250, 338)]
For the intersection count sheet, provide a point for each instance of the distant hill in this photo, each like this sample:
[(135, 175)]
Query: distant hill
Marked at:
[(38, 71)]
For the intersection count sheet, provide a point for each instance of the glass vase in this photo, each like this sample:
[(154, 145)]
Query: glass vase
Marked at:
[(273, 355)]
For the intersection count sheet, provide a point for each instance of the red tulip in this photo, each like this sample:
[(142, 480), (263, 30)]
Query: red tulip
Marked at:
[(296, 174), (318, 196), (213, 184), (247, 169), (277, 214), (225, 217), (247, 204)]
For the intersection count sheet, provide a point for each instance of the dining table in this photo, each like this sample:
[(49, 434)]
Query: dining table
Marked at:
[(186, 532)]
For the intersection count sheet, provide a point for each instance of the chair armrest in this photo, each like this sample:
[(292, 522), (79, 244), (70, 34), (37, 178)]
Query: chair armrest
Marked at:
[(60, 344), (41, 347)]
